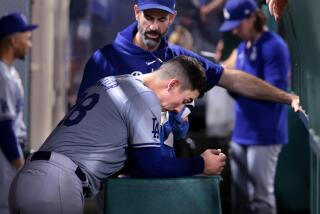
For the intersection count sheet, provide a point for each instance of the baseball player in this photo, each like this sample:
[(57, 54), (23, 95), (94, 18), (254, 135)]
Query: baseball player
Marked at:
[(260, 128), (119, 116), (14, 43)]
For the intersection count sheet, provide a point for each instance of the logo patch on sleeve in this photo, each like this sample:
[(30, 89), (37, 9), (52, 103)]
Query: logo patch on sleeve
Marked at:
[(155, 128)]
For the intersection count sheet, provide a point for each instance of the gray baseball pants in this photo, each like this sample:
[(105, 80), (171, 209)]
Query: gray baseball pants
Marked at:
[(47, 186), (253, 170), (7, 173)]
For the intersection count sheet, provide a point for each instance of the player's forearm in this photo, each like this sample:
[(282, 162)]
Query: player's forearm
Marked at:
[(8, 143), (252, 87), (18, 163), (212, 6), (147, 162)]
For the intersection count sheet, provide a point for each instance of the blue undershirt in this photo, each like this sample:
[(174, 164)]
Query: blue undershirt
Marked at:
[(8, 143), (149, 162)]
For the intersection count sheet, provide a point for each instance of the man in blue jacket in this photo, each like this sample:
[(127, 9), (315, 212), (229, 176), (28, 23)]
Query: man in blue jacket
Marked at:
[(142, 47), (260, 128)]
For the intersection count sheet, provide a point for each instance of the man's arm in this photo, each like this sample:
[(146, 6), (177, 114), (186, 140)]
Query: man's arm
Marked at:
[(252, 87), (9, 144), (148, 162), (210, 7)]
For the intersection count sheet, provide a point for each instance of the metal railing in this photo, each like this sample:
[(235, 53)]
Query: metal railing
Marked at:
[(303, 33)]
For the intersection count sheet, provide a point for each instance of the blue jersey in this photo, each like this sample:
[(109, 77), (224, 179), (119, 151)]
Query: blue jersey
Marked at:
[(124, 57), (262, 122)]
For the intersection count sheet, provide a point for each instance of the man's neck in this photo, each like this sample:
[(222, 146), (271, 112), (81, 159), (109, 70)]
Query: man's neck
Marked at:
[(255, 38), (144, 78), (149, 79), (6, 57), (155, 83)]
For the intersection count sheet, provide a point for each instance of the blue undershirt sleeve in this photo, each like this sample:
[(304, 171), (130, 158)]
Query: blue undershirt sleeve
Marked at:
[(8, 142), (148, 162)]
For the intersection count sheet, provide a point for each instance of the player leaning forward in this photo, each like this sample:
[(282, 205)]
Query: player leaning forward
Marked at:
[(92, 142)]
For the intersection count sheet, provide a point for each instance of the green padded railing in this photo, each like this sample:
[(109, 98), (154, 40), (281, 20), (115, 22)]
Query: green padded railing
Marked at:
[(301, 23), (190, 195)]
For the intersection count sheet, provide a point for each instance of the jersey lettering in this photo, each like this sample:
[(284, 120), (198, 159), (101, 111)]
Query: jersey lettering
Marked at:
[(80, 110), (108, 83), (155, 129)]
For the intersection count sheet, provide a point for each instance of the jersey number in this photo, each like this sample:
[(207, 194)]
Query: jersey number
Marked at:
[(79, 111)]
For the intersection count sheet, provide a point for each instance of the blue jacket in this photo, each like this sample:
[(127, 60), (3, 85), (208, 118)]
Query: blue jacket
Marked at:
[(124, 57), (260, 122)]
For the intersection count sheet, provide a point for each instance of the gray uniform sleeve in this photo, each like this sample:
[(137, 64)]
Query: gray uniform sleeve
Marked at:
[(143, 115), (7, 100)]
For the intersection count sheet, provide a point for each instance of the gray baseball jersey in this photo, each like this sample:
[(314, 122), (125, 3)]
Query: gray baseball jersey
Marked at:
[(116, 113), (12, 98), (11, 107)]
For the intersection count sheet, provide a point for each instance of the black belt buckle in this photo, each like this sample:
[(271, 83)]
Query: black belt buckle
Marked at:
[(41, 155)]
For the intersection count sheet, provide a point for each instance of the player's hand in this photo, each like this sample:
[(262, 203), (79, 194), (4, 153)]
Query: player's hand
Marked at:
[(214, 161), (18, 163), (295, 103), (276, 7)]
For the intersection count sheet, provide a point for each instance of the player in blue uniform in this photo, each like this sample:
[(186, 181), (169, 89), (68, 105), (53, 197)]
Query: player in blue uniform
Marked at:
[(116, 118), (142, 47), (14, 44), (261, 127)]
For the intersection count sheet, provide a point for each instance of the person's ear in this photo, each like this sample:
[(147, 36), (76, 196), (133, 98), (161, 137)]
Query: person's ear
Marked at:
[(172, 84), (253, 16), (172, 18), (136, 11), (14, 40)]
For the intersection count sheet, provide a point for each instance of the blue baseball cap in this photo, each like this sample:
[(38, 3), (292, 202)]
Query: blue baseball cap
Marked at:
[(166, 5), (14, 23), (235, 11)]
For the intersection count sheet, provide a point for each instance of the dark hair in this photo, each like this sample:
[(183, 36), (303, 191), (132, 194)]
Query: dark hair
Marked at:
[(261, 20), (190, 72)]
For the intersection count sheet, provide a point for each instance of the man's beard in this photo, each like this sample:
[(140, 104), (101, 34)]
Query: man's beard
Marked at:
[(151, 42)]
